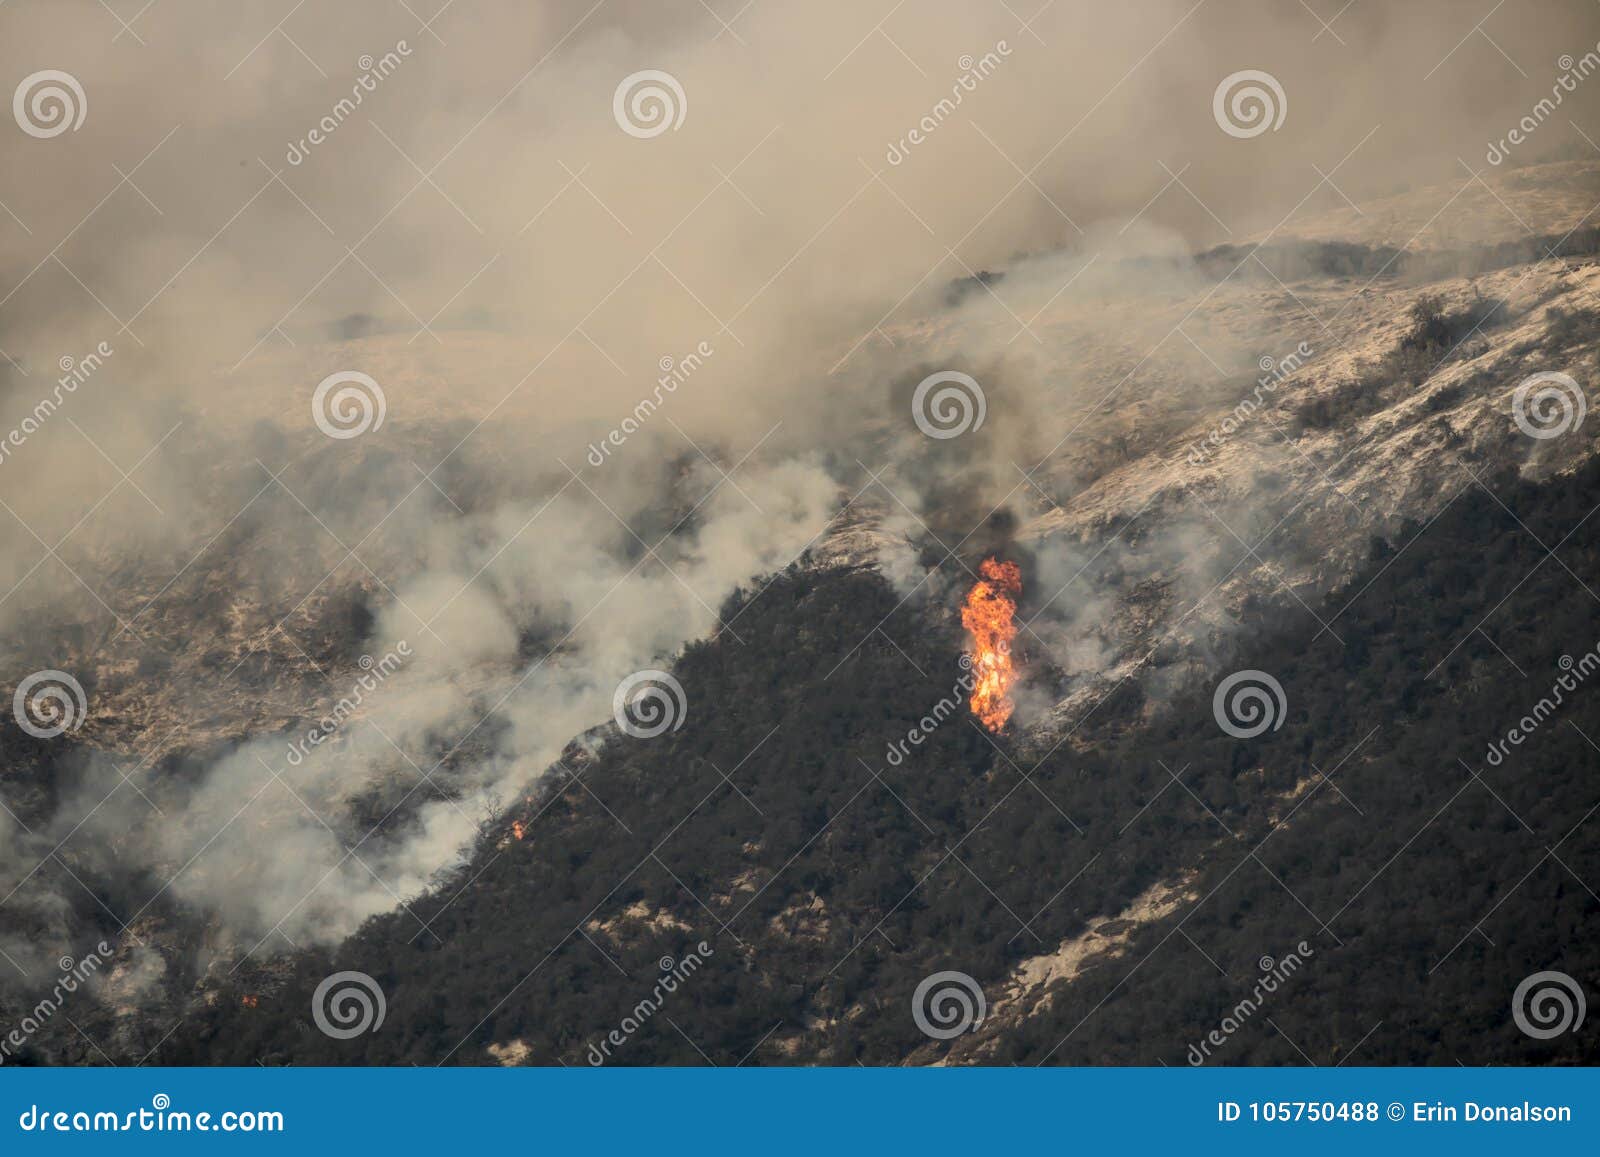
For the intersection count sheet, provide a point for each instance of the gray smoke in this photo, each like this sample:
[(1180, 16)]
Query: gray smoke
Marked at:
[(482, 239)]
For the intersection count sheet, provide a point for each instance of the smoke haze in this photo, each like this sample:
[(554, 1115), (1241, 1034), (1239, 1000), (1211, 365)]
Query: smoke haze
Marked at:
[(517, 273)]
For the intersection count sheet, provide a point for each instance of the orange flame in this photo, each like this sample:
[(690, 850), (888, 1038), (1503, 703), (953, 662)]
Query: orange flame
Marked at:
[(517, 829), (989, 616)]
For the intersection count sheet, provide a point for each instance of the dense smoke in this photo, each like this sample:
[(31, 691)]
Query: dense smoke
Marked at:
[(620, 375)]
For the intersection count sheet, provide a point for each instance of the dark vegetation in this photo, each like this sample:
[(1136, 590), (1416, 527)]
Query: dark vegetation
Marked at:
[(1298, 260), (1571, 326), (828, 881), (1428, 881), (1438, 334), (1435, 336), (959, 289)]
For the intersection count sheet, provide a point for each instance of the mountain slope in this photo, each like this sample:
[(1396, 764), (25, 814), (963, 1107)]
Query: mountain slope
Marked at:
[(1344, 537), (827, 883)]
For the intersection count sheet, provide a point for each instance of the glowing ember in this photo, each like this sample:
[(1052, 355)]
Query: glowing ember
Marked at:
[(989, 615)]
